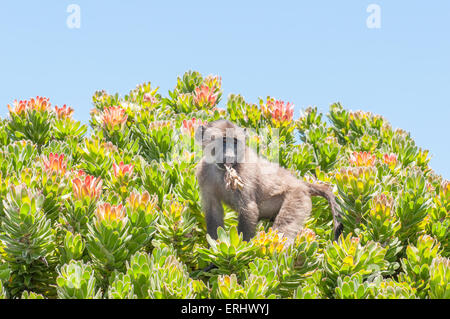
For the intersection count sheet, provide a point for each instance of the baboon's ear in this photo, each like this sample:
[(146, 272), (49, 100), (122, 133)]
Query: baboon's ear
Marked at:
[(199, 134)]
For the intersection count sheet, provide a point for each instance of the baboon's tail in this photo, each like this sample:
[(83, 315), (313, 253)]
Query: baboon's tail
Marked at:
[(324, 191)]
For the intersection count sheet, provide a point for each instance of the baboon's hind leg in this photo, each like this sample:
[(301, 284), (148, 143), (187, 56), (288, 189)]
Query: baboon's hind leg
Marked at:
[(293, 213)]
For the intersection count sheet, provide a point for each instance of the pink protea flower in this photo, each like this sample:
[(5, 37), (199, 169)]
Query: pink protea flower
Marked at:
[(113, 116), (88, 187), (110, 213), (63, 112), (55, 163), (122, 169), (189, 126), (390, 159), (278, 110), (204, 96), (362, 159)]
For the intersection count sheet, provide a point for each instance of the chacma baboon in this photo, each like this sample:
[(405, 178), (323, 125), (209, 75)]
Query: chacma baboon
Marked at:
[(266, 190)]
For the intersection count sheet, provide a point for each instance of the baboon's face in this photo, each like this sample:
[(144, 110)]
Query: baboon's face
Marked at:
[(223, 143)]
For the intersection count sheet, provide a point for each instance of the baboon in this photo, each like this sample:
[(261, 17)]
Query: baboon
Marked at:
[(266, 190)]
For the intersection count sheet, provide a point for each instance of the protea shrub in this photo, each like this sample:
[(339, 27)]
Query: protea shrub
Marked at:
[(115, 211), (31, 119), (108, 238)]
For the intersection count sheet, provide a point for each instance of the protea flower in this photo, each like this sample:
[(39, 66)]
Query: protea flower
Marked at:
[(213, 82), (122, 169), (382, 217), (78, 173), (362, 159), (19, 107), (269, 242), (307, 235), (278, 110), (204, 96), (90, 187), (113, 116), (390, 159), (108, 238), (156, 125), (445, 186), (110, 147), (189, 126), (55, 163), (63, 112), (359, 115), (141, 211), (106, 212), (40, 104), (136, 200), (150, 98)]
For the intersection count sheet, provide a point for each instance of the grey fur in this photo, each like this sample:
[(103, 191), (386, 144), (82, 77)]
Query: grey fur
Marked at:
[(269, 192)]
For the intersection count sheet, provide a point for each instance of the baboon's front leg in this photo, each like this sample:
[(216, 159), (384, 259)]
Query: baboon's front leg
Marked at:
[(293, 214), (213, 215), (247, 220)]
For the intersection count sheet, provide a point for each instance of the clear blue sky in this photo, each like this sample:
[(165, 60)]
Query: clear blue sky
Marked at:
[(306, 52)]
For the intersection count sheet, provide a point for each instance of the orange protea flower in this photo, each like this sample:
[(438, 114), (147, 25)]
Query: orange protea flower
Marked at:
[(40, 104), (204, 96), (189, 126), (122, 169), (113, 116), (110, 213), (18, 108), (135, 199), (141, 201), (55, 163), (390, 159), (278, 110), (362, 159), (89, 187), (63, 112), (270, 242)]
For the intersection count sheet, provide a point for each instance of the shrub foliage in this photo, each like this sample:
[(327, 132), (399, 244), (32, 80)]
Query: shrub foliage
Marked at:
[(116, 213)]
